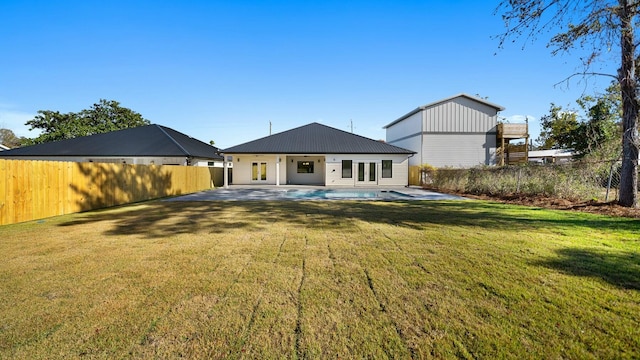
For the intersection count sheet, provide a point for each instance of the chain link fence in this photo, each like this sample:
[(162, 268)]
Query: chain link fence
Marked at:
[(577, 180)]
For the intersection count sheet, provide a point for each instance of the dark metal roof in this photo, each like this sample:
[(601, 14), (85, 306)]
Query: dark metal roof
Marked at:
[(316, 138), (150, 140)]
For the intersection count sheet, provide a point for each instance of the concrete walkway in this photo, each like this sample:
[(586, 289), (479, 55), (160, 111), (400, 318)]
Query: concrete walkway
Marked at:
[(302, 193)]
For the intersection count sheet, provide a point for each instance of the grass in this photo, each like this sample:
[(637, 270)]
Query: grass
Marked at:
[(468, 279)]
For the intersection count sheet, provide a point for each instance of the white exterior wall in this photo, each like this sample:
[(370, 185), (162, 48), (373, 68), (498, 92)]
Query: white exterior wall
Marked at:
[(459, 150), (412, 143), (205, 162), (410, 126), (400, 170), (328, 171), (317, 177), (242, 169)]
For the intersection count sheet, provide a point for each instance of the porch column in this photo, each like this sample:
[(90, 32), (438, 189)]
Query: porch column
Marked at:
[(277, 170), (225, 172)]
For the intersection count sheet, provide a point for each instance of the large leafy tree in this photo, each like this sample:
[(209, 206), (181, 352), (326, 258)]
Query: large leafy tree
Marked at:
[(102, 117), (558, 129), (8, 138), (593, 131), (594, 26), (602, 124)]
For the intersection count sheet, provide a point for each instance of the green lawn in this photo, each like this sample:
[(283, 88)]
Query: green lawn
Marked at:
[(464, 279)]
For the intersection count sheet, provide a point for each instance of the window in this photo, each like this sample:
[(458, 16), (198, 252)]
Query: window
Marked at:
[(305, 167), (387, 171), (372, 171), (346, 169), (360, 171)]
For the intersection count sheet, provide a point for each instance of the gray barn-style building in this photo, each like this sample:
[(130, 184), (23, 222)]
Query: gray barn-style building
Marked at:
[(458, 131)]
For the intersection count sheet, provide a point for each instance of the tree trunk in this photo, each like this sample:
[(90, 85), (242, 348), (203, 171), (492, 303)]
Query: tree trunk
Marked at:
[(627, 78)]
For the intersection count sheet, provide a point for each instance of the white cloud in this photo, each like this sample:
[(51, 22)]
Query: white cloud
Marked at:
[(519, 119), (534, 124)]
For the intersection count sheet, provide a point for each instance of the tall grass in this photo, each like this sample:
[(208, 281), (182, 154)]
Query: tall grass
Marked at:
[(575, 181)]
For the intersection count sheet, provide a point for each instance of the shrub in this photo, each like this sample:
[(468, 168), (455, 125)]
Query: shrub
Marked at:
[(573, 181)]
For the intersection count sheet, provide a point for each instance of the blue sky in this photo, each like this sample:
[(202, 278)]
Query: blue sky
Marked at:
[(222, 70)]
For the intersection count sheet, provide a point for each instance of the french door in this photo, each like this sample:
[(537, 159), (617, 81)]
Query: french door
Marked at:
[(367, 173), (259, 171)]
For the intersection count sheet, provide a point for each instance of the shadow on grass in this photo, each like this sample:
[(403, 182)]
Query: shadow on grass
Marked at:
[(619, 269), (163, 218)]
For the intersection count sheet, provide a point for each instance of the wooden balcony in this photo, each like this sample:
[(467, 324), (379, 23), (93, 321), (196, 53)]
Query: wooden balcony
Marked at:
[(513, 131), (506, 152)]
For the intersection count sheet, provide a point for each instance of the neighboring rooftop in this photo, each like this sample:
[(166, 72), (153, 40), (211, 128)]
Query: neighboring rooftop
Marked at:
[(150, 140), (316, 138)]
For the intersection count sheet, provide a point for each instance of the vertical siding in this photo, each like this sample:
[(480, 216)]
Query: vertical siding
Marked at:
[(460, 115), (459, 150)]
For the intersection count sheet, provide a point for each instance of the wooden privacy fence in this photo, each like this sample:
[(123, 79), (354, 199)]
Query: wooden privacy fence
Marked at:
[(414, 175), (32, 189)]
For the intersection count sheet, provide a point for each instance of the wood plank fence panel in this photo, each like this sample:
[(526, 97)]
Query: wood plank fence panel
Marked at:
[(31, 189)]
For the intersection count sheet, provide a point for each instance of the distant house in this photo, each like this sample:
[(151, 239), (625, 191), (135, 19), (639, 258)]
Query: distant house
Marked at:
[(3, 148), (458, 131), (146, 145), (317, 154), (553, 156)]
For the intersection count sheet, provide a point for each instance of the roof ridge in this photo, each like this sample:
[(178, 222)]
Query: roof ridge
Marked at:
[(173, 140)]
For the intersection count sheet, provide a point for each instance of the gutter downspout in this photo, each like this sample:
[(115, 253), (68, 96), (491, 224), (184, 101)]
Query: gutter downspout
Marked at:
[(225, 171)]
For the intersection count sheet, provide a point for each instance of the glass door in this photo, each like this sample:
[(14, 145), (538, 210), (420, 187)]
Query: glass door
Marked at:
[(367, 173), (259, 171)]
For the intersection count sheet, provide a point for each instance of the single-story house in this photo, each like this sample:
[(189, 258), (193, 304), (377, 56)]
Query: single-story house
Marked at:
[(146, 145), (317, 154), (459, 131)]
